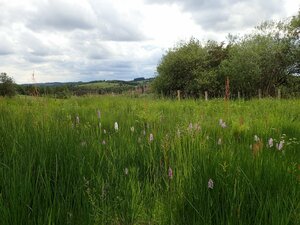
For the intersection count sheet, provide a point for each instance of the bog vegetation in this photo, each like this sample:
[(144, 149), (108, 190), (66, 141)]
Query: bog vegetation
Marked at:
[(120, 160)]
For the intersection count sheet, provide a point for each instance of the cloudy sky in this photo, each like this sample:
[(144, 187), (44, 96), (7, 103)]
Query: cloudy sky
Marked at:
[(84, 40)]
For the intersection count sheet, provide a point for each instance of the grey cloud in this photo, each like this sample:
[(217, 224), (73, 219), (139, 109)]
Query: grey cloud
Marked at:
[(63, 15), (32, 44), (228, 15), (114, 25), (6, 47), (121, 32)]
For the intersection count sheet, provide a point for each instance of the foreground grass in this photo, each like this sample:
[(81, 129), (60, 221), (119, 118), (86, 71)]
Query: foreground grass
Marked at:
[(62, 164)]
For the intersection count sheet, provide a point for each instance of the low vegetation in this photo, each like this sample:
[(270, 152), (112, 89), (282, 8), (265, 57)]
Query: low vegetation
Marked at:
[(118, 160)]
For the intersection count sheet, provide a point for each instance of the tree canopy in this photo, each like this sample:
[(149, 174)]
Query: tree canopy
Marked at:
[(266, 59), (7, 85)]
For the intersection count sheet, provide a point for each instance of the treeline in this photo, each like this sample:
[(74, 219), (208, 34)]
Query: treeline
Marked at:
[(265, 60), (66, 91)]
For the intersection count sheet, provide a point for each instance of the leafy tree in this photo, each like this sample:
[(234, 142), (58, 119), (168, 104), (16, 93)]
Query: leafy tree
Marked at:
[(176, 70), (190, 68), (7, 85)]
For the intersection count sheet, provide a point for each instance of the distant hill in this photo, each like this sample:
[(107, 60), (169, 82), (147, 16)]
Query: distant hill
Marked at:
[(96, 84)]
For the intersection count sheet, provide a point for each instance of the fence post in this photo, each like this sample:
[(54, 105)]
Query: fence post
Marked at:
[(178, 95), (206, 95), (259, 93), (279, 93)]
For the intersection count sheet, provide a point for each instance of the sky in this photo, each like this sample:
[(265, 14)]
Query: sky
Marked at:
[(85, 40)]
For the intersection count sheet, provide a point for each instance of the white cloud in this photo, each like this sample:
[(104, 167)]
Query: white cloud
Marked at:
[(72, 40)]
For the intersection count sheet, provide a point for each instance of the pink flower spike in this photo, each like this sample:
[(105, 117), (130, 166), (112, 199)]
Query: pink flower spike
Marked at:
[(99, 114), (280, 145), (116, 126), (151, 138), (270, 142), (220, 122), (210, 184), (170, 173)]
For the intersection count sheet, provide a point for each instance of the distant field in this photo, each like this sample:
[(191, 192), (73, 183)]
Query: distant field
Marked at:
[(118, 160), (99, 85)]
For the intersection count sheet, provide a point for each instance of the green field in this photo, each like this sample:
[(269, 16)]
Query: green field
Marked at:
[(98, 85), (169, 162)]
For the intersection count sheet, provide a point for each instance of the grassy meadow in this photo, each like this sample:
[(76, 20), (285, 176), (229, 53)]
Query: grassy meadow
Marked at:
[(120, 160)]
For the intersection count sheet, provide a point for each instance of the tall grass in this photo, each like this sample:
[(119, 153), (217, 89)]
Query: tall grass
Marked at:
[(62, 164)]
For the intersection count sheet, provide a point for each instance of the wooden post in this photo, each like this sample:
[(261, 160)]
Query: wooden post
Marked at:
[(279, 93), (206, 95), (178, 95), (259, 93), (239, 95)]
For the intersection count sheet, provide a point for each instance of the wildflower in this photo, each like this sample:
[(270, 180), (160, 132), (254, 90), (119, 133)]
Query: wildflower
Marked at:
[(170, 173), (190, 126), (83, 143), (116, 126), (99, 114), (144, 132), (256, 138), (151, 138), (139, 140), (77, 119), (132, 129), (270, 142), (210, 184), (103, 142), (280, 145), (104, 131), (219, 141), (126, 171), (222, 123)]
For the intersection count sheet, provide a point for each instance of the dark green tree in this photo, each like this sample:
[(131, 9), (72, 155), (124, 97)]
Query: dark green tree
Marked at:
[(190, 68), (7, 85)]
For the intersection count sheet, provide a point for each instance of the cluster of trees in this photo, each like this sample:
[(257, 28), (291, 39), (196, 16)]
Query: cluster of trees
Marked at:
[(266, 59), (7, 85)]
